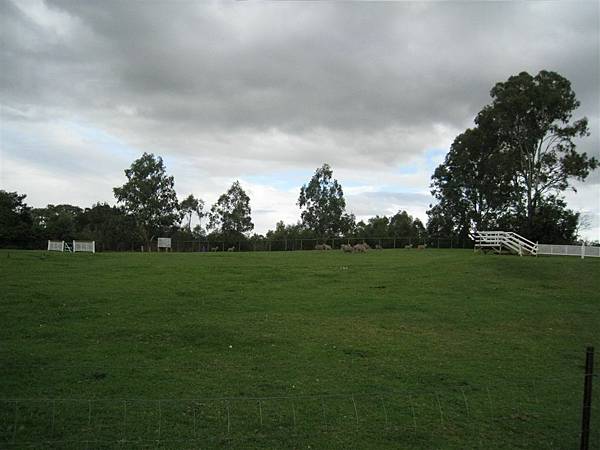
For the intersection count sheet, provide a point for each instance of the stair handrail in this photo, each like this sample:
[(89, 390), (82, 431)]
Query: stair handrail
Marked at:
[(524, 244), (513, 245), (509, 239), (522, 238)]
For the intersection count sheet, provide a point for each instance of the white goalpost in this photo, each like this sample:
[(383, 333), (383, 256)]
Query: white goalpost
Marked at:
[(56, 246), (84, 246)]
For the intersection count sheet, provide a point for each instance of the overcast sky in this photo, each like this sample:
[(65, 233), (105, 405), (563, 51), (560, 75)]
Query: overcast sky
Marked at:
[(265, 92)]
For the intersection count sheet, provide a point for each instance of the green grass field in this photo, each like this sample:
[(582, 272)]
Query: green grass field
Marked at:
[(391, 349)]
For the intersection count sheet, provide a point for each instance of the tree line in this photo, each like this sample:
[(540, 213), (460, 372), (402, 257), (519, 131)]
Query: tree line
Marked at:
[(147, 207), (507, 172)]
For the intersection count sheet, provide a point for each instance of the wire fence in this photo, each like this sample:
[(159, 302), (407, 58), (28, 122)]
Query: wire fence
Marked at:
[(294, 244), (474, 415), (247, 245)]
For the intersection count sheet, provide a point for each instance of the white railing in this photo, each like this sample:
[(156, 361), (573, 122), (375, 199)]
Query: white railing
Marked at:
[(84, 246), (520, 245), (56, 246), (569, 250), (499, 239)]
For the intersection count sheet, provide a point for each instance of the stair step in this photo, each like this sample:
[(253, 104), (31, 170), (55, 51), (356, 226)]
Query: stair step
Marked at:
[(511, 241)]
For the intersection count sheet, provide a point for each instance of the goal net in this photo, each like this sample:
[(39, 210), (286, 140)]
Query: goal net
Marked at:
[(84, 246), (56, 246)]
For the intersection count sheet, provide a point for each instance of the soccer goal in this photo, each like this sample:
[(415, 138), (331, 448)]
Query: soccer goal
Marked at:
[(84, 246), (56, 246)]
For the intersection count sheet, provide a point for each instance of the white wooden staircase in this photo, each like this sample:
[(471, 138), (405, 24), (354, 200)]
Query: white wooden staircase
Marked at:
[(498, 240)]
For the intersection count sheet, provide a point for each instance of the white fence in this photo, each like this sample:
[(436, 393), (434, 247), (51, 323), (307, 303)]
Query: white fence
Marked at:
[(518, 244), (568, 250), (78, 246), (84, 246), (56, 246)]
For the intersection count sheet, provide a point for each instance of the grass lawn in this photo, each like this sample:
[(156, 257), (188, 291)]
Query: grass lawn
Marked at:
[(390, 349)]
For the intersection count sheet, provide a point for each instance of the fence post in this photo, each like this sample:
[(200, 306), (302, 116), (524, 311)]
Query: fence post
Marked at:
[(582, 250), (587, 399)]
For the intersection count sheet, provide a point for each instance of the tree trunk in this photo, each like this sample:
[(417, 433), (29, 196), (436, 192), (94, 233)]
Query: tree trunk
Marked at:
[(530, 212)]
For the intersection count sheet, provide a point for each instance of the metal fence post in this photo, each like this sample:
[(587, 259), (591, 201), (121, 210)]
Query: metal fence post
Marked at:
[(587, 399)]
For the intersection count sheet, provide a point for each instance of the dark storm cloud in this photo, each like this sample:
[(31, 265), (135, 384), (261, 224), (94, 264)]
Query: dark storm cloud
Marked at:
[(293, 65)]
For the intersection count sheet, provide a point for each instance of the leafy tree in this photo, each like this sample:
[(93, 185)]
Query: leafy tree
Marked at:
[(294, 231), (379, 226), (149, 196), (441, 221), (190, 206), (231, 214), (198, 232), (419, 230), (15, 219), (533, 116), (279, 233), (553, 222), (110, 226), (515, 162), (323, 205), (291, 233), (471, 182), (403, 225), (374, 227), (61, 222), (400, 225)]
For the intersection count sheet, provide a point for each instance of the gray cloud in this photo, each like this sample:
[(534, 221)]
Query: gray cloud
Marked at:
[(291, 66), (369, 204), (243, 88)]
